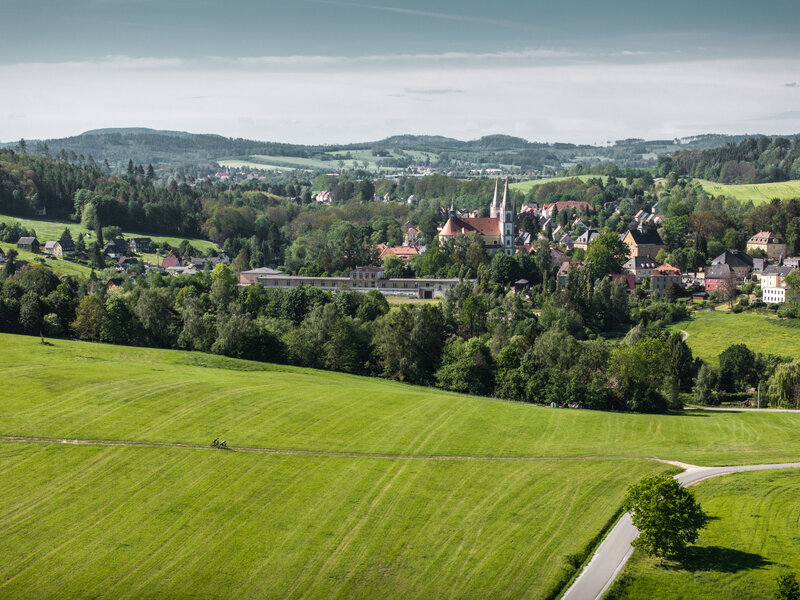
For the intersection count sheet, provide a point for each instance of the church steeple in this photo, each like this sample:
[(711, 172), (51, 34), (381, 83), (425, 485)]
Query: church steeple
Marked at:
[(506, 224), (493, 209)]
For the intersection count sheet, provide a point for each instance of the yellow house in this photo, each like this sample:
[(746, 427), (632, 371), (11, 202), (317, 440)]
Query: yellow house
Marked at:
[(769, 242), (643, 242)]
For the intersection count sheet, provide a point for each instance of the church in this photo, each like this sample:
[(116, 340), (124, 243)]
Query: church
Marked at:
[(497, 231)]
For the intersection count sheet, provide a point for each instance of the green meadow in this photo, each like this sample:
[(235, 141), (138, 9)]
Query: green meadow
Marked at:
[(757, 193), (753, 537), (64, 267), (525, 186), (712, 332), (47, 229), (343, 485)]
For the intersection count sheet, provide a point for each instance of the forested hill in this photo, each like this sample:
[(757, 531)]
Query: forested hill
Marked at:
[(170, 150), (753, 160)]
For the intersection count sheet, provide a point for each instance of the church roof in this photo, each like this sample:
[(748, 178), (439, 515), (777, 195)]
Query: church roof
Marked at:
[(483, 225)]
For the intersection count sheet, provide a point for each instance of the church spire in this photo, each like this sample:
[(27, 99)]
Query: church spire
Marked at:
[(493, 209), (505, 197)]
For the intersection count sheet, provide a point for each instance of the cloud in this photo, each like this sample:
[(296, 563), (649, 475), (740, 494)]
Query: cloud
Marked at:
[(299, 60), (789, 115), (17, 115), (792, 84), (573, 101), (434, 91), (431, 15), (111, 62)]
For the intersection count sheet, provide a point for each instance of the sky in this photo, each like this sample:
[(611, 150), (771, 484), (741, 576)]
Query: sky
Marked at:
[(338, 71)]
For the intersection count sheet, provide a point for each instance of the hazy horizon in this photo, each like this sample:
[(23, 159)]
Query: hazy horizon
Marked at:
[(325, 71)]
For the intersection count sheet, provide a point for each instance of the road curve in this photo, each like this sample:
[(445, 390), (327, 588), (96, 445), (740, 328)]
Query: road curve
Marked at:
[(615, 550)]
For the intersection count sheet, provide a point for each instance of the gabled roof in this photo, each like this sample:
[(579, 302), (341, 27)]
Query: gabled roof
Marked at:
[(734, 258), (26, 240), (483, 225), (666, 270), (648, 237), (630, 280), (777, 270), (587, 236), (49, 245), (720, 271), (399, 251), (640, 262), (116, 243), (765, 237)]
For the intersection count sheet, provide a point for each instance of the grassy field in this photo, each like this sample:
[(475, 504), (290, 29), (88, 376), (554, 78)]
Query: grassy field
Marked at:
[(358, 157), (52, 229), (525, 186), (378, 489), (755, 536), (64, 267), (712, 332), (757, 193), (231, 525)]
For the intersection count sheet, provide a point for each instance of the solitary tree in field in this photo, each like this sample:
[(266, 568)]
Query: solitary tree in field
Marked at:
[(667, 516)]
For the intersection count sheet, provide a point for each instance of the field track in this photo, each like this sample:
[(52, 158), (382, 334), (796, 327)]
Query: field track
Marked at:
[(293, 452)]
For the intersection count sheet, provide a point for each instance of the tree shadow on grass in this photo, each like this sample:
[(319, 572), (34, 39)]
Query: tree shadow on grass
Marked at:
[(722, 560)]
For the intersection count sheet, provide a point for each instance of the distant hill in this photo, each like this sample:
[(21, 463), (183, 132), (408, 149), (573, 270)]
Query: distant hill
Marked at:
[(137, 131), (191, 152)]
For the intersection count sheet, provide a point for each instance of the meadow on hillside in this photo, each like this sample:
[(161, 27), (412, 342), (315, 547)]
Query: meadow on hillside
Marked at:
[(351, 486), (712, 332)]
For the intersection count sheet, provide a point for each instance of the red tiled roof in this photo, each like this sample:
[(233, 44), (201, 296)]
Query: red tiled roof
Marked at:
[(399, 251), (666, 270), (483, 225), (568, 204), (765, 237)]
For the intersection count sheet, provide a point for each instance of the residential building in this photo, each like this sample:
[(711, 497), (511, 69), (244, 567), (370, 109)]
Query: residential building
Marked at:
[(497, 231), (566, 241), (401, 252), (628, 279), (643, 241), (641, 267), (773, 295), (126, 262), (31, 244), (792, 261), (171, 260), (139, 245), (64, 248), (720, 278), (769, 242), (49, 247), (741, 263), (563, 271), (586, 238), (573, 206), (115, 248), (774, 275), (664, 277)]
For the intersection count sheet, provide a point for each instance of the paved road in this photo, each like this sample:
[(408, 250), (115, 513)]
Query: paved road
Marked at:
[(731, 409), (615, 549)]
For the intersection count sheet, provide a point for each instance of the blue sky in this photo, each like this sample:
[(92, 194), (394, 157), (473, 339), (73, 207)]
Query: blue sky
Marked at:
[(317, 71)]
